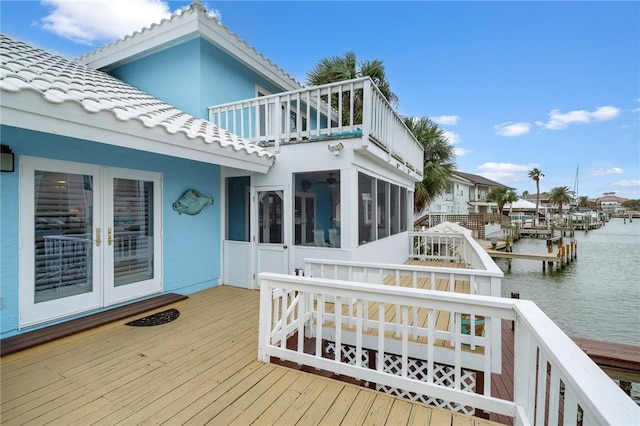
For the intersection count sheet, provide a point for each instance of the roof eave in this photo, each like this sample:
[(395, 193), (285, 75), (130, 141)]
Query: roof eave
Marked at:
[(29, 111)]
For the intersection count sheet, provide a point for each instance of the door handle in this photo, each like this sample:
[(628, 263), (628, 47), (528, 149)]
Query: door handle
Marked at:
[(98, 239), (109, 236), (284, 246)]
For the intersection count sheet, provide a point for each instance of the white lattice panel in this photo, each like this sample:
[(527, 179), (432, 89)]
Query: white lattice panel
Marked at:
[(349, 355), (443, 375)]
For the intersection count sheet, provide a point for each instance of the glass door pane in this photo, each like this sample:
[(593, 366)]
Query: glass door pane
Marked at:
[(270, 211), (63, 258), (132, 231), (309, 218)]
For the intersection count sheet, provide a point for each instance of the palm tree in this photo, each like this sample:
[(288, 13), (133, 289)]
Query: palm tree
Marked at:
[(525, 194), (341, 68), (502, 195), (439, 160), (583, 201), (536, 175), (559, 196)]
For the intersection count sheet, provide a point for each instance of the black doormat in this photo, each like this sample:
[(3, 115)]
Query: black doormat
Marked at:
[(156, 319)]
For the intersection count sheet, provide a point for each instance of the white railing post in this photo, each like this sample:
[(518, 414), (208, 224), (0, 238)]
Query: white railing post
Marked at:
[(277, 124), (524, 371), (265, 320), (367, 104)]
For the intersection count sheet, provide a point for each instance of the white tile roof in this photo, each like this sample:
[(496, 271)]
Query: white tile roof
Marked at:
[(59, 80)]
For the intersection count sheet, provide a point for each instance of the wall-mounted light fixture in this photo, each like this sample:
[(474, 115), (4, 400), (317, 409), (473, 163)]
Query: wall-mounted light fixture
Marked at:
[(336, 148), (7, 163)]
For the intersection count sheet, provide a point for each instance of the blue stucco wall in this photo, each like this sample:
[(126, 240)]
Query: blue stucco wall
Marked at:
[(191, 244), (193, 76)]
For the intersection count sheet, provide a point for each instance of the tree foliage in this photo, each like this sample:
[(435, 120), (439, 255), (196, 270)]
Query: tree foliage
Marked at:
[(502, 195), (347, 67), (559, 196), (583, 201), (631, 204), (439, 160)]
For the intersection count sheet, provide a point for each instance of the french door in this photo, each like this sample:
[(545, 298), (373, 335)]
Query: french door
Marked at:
[(90, 237)]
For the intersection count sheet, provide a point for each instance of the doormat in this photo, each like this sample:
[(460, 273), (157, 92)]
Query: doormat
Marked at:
[(156, 319)]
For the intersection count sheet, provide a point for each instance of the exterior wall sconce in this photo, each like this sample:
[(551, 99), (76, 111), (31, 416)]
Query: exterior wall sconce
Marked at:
[(336, 148), (7, 163)]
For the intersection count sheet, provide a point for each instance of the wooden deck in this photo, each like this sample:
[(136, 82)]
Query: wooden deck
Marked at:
[(200, 368), (30, 339)]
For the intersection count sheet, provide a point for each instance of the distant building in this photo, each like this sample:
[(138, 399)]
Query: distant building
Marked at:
[(480, 187), (610, 203), (467, 193)]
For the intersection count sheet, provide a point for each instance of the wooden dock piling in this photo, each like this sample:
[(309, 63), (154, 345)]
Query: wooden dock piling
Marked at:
[(565, 254)]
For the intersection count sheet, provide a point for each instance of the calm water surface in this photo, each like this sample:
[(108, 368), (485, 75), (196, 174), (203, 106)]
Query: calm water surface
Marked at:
[(598, 295)]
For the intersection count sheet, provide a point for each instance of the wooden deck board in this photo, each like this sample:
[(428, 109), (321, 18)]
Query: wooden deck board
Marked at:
[(37, 337), (199, 368)]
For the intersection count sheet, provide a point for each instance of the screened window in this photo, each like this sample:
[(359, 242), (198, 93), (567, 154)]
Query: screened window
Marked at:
[(394, 209), (382, 209), (366, 215)]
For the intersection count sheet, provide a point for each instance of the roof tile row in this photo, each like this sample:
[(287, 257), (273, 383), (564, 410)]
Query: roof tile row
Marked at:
[(60, 80)]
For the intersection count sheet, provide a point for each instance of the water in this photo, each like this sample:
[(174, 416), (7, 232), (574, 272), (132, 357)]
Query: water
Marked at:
[(597, 295)]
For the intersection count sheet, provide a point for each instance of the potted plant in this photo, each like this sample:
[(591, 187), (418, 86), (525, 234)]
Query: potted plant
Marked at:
[(465, 324)]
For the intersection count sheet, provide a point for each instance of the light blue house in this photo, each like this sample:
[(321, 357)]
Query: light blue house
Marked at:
[(104, 146)]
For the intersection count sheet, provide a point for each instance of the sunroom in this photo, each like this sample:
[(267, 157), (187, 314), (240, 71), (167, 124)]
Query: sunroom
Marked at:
[(341, 187)]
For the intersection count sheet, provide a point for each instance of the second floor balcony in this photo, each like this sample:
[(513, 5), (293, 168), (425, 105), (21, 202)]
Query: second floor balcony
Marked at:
[(348, 109)]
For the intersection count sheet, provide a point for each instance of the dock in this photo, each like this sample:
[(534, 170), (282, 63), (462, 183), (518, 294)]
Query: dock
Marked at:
[(565, 254), (620, 361), (536, 232)]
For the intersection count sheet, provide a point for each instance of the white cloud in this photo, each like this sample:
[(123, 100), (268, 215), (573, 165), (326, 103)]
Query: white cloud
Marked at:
[(506, 173), (559, 120), (453, 137), (460, 152), (90, 21), (633, 183), (604, 172), (98, 21), (512, 129), (446, 120)]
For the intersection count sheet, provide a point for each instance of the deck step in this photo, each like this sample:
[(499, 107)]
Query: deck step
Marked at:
[(33, 338)]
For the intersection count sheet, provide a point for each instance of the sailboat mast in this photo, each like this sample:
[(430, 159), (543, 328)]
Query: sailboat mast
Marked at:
[(575, 184)]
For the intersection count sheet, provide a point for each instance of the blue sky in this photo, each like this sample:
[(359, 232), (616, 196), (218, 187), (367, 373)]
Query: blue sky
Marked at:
[(516, 85)]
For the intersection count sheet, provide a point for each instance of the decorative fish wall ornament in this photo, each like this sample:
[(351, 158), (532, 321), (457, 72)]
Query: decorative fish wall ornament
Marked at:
[(192, 202)]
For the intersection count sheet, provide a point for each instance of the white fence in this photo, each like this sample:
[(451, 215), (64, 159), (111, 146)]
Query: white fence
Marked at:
[(481, 282), (553, 378), (348, 109), (447, 247), (450, 247), (461, 280)]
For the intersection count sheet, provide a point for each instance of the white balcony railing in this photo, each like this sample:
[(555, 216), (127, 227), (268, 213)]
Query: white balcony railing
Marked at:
[(348, 109), (553, 379)]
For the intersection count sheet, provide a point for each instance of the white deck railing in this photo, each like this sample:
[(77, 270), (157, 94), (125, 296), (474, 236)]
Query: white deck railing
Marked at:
[(481, 282), (546, 361), (461, 280), (450, 246), (437, 246), (348, 109)]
